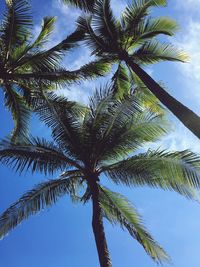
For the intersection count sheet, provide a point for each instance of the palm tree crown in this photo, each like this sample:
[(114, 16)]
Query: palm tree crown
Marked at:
[(134, 40), (101, 139), (26, 66)]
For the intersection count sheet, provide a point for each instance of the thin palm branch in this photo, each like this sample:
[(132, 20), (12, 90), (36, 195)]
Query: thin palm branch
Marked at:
[(117, 209), (20, 112), (35, 155), (43, 195), (178, 171)]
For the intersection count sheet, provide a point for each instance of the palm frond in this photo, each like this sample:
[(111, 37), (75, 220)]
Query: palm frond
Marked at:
[(154, 51), (104, 22), (86, 5), (146, 98), (48, 60), (161, 25), (93, 69), (136, 11), (47, 28), (95, 42), (142, 128), (31, 91), (152, 27), (58, 76), (117, 209), (23, 53), (178, 171), (113, 128), (121, 83), (39, 62), (35, 155), (63, 117), (20, 112), (42, 196), (69, 42), (16, 23)]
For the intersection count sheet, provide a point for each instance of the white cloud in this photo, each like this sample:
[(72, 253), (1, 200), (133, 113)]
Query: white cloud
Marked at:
[(179, 138), (189, 41), (188, 76), (65, 22), (78, 57), (75, 93), (188, 4), (81, 92), (66, 13)]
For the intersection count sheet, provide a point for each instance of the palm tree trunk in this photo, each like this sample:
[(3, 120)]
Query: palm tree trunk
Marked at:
[(190, 119), (98, 229)]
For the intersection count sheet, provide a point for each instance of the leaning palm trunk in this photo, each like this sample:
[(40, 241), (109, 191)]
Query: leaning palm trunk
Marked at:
[(134, 40), (190, 119), (98, 229)]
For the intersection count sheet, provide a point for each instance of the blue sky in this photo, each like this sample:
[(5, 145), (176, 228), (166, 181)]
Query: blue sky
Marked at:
[(62, 235)]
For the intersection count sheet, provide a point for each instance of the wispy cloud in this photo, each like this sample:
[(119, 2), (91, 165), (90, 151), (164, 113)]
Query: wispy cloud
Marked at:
[(66, 15), (65, 21), (191, 71), (188, 75), (78, 57), (79, 93), (189, 40), (179, 138), (188, 4)]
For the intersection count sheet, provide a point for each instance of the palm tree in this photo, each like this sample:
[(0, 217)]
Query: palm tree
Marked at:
[(91, 143), (25, 62), (132, 40)]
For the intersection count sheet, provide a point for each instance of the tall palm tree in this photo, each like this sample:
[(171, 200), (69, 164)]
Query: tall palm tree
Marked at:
[(133, 40), (91, 143), (25, 61)]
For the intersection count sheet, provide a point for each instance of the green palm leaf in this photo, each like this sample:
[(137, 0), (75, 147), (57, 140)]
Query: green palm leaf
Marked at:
[(115, 128), (117, 209), (178, 171), (146, 127), (95, 42), (146, 98), (104, 21), (47, 29), (43, 195), (136, 11), (20, 112), (121, 82), (16, 23), (152, 27), (93, 69), (49, 73), (154, 51), (63, 117), (35, 155), (49, 59)]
